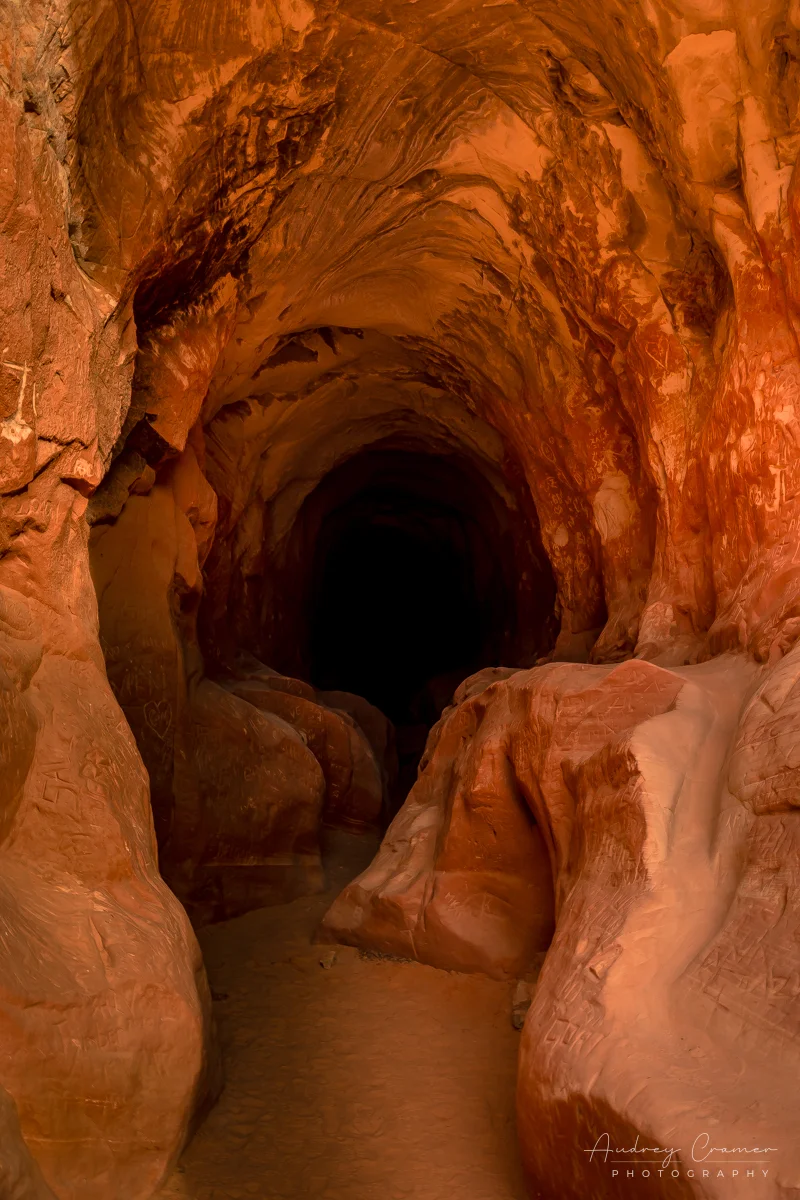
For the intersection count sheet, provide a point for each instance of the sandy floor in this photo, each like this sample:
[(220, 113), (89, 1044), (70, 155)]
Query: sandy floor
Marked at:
[(370, 1080)]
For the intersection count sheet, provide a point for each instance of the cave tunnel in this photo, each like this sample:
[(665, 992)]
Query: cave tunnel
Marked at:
[(408, 583), (407, 571), (395, 601), (352, 349)]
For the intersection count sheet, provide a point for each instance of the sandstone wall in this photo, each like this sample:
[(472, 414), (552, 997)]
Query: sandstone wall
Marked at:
[(241, 244)]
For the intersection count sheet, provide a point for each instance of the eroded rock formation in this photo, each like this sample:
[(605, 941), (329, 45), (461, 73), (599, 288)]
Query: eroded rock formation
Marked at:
[(655, 801), (518, 284), (241, 772)]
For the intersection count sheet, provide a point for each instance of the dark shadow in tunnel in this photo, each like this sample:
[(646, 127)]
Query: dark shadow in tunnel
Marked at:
[(407, 571), (395, 602)]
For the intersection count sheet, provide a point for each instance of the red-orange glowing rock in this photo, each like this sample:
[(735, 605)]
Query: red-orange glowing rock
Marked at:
[(256, 258)]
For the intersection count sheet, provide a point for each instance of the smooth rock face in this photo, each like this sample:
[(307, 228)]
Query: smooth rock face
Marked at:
[(666, 1006), (105, 1011), (463, 877), (664, 1003), (526, 274)]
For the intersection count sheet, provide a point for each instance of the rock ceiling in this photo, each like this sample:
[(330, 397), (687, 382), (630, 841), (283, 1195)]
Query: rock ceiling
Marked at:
[(563, 227)]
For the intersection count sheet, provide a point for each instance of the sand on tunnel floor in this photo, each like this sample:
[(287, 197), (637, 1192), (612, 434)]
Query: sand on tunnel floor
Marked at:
[(370, 1079)]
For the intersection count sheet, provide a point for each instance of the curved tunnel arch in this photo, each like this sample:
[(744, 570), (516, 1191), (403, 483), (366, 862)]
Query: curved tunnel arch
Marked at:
[(316, 588), (490, 592)]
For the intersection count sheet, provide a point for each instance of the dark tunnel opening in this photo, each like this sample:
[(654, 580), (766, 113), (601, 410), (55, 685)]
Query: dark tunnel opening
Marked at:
[(406, 572), (396, 605)]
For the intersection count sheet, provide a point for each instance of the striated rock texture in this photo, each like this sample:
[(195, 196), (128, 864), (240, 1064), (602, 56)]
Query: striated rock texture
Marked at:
[(517, 282)]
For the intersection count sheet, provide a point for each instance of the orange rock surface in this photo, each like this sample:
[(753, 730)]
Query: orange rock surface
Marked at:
[(295, 296)]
